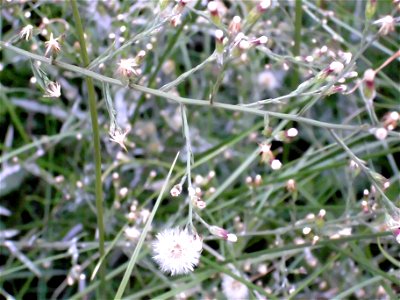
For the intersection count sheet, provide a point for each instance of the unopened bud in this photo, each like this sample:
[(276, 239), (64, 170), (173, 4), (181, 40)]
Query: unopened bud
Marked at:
[(390, 120), (335, 67), (213, 9), (369, 84), (235, 25), (292, 132), (258, 180), (276, 164), (291, 185), (176, 190), (381, 133), (262, 40), (370, 9)]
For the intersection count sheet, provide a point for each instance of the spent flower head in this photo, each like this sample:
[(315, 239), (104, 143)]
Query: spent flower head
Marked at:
[(118, 136), (52, 45), (26, 32), (53, 90), (128, 68), (387, 24), (177, 251)]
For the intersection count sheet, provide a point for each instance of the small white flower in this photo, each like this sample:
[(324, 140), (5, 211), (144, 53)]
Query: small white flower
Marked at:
[(234, 289), (53, 90), (26, 32), (52, 45), (177, 251)]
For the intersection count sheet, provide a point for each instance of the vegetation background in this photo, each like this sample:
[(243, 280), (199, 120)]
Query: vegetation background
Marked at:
[(321, 225)]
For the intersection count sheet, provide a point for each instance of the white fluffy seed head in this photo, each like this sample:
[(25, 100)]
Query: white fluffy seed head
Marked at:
[(177, 251)]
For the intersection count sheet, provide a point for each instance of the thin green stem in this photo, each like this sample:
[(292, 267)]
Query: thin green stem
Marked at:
[(387, 204), (135, 255), (96, 143), (188, 164), (297, 38), (14, 117)]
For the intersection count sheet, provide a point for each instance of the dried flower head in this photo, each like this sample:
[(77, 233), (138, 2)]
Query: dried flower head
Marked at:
[(119, 137), (26, 32), (53, 90), (52, 45), (128, 68), (387, 24), (177, 251)]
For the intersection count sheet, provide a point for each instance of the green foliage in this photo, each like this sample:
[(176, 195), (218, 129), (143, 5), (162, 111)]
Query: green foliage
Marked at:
[(284, 148)]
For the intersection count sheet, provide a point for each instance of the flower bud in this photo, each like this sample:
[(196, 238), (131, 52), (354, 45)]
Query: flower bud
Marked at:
[(335, 67), (369, 84), (222, 233), (176, 190), (390, 120), (213, 9), (262, 40), (370, 9), (380, 133), (291, 185), (276, 164), (218, 231), (257, 11), (235, 25)]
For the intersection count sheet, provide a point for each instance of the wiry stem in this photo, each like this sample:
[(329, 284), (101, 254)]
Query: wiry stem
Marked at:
[(96, 142), (188, 101)]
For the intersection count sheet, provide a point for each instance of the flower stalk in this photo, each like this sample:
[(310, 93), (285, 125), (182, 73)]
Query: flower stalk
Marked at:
[(96, 143)]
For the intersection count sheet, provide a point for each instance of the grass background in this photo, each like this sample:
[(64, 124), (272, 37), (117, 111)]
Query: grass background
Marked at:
[(53, 225)]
